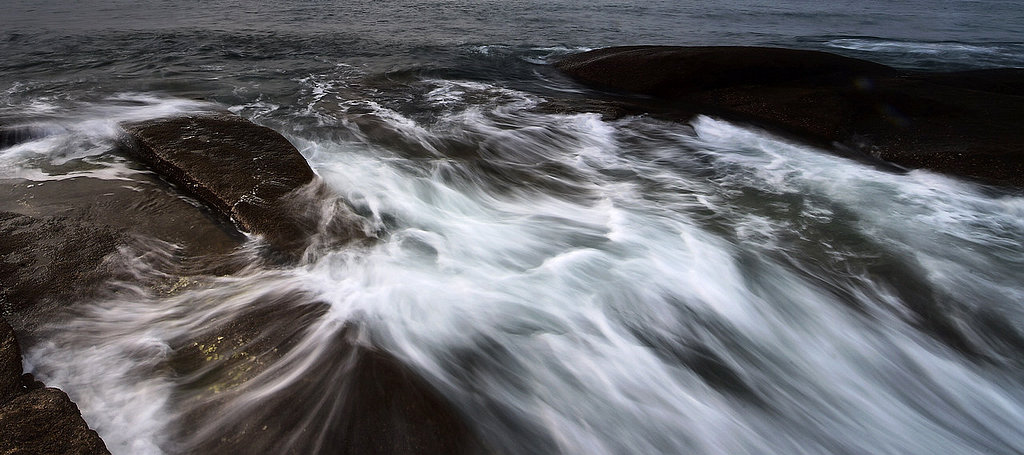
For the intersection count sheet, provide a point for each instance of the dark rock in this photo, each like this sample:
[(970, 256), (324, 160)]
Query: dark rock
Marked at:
[(29, 382), (964, 123), (37, 420), (355, 400), (243, 170), (10, 363), (665, 71), (45, 421), (391, 410), (51, 258), (139, 205)]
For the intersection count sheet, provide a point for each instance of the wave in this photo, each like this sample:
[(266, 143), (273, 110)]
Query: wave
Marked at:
[(578, 285)]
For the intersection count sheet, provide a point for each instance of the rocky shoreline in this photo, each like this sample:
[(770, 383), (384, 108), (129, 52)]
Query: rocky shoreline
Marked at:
[(60, 239), (960, 123)]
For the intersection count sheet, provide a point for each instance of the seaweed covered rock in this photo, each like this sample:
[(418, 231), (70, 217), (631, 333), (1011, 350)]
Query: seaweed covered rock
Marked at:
[(962, 123)]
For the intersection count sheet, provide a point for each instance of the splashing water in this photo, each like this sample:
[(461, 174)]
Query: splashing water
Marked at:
[(579, 285)]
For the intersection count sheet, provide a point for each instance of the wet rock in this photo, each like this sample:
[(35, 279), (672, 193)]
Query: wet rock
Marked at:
[(350, 398), (670, 72), (10, 363), (393, 411), (61, 241), (51, 259), (964, 123), (138, 204), (45, 421), (243, 170), (36, 420)]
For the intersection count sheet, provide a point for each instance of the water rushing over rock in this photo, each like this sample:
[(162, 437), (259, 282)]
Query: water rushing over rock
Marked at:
[(956, 122), (656, 288), (547, 273)]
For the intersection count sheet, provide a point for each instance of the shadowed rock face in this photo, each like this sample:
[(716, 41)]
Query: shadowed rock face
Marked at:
[(963, 123), (241, 169), (10, 363), (674, 71)]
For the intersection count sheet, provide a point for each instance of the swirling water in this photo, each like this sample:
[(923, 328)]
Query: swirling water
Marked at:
[(572, 284)]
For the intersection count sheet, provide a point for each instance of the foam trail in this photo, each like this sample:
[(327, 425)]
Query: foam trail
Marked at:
[(575, 285)]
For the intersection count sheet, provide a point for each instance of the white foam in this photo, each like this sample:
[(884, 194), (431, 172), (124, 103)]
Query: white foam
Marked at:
[(648, 288)]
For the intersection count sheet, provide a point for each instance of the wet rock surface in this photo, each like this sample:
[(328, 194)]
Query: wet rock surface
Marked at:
[(961, 123), (51, 259), (60, 241), (37, 420), (360, 401), (10, 363), (67, 239), (140, 205), (60, 237), (45, 421), (247, 172)]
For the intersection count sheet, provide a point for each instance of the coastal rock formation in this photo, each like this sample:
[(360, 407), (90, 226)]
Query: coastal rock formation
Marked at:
[(40, 420), (360, 401), (65, 240), (248, 172), (963, 123), (45, 421)]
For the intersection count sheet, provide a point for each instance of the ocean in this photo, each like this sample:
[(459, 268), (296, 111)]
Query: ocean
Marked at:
[(571, 283)]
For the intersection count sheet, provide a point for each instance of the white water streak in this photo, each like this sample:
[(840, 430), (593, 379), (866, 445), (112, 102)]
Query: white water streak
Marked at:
[(643, 302)]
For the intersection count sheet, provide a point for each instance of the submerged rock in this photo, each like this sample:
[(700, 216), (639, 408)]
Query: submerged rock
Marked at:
[(338, 395), (963, 123), (248, 172)]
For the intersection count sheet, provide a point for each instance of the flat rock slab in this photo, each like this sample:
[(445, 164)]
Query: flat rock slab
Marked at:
[(55, 258), (962, 123), (241, 169), (45, 421), (139, 204)]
